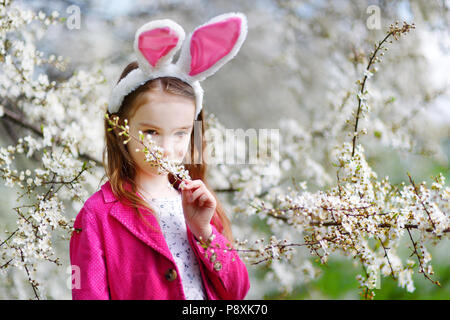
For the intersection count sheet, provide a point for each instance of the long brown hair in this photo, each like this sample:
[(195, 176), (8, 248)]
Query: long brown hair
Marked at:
[(120, 166)]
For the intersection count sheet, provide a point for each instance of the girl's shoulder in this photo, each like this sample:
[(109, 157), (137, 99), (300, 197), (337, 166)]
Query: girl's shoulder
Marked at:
[(100, 201)]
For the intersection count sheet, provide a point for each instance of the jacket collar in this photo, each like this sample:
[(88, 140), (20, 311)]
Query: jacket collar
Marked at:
[(108, 195), (129, 218)]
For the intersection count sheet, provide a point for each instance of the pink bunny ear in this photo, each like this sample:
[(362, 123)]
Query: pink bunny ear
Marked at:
[(212, 42), (212, 45), (156, 43)]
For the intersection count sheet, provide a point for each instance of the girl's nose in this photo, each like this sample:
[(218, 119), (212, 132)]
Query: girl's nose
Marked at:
[(167, 153), (166, 144)]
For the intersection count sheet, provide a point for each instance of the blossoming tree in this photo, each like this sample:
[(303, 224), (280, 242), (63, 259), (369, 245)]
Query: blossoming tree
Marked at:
[(361, 216)]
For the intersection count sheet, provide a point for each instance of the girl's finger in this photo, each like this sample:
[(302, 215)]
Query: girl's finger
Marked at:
[(197, 193), (193, 184), (186, 195), (202, 199)]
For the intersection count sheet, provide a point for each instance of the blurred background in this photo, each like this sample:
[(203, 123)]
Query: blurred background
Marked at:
[(300, 61)]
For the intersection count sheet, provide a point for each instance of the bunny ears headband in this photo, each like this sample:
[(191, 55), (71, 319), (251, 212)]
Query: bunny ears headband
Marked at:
[(205, 51)]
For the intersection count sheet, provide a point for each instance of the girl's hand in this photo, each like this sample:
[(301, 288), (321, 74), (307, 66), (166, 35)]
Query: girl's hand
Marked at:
[(198, 207)]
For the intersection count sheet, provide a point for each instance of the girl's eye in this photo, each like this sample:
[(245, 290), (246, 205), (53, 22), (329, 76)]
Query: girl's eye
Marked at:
[(150, 132), (181, 133)]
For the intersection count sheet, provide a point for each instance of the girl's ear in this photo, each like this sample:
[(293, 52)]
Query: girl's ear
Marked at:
[(211, 45), (156, 42)]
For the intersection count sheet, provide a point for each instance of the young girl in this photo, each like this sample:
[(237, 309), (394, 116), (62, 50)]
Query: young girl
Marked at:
[(139, 237)]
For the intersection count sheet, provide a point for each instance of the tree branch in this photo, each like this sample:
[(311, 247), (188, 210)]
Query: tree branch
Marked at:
[(19, 120)]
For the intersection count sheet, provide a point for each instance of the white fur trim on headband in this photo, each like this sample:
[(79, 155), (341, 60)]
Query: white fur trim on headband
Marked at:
[(137, 78)]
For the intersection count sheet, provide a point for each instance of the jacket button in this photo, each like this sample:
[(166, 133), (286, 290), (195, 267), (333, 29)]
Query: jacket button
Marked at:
[(171, 274), (217, 266)]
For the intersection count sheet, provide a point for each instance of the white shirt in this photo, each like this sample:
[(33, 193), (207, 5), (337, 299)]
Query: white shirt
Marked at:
[(173, 226)]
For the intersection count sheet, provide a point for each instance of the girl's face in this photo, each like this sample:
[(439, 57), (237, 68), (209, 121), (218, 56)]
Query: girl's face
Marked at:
[(169, 120)]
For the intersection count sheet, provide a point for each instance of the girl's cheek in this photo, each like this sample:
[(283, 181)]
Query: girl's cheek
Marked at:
[(181, 145), (179, 154)]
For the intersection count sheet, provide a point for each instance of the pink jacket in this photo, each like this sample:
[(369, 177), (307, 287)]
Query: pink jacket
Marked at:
[(114, 255)]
